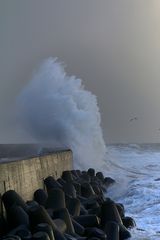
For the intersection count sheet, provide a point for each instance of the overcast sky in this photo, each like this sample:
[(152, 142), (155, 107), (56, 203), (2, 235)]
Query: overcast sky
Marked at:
[(113, 45)]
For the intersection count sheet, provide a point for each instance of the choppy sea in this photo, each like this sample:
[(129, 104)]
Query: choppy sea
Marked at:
[(136, 169)]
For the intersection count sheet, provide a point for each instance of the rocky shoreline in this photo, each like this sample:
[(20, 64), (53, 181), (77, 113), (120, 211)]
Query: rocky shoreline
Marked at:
[(69, 208)]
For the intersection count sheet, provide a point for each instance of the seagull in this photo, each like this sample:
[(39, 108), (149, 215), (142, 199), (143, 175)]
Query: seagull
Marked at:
[(132, 119)]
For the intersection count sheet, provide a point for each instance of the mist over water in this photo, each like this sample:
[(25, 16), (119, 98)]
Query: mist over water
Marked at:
[(56, 110)]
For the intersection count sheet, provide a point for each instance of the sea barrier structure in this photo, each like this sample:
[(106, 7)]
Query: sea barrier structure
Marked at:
[(77, 208), (25, 175)]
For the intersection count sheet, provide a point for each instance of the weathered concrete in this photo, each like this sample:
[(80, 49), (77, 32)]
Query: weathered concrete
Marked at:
[(25, 176)]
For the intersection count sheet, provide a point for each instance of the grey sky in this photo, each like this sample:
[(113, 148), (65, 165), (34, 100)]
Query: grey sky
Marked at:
[(113, 45)]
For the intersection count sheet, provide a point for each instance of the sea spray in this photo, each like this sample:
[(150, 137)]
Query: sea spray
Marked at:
[(57, 111)]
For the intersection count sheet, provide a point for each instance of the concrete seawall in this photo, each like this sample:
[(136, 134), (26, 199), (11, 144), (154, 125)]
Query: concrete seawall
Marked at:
[(25, 176)]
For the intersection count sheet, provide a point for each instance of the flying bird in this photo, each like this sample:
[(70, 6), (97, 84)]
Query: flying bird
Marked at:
[(132, 119)]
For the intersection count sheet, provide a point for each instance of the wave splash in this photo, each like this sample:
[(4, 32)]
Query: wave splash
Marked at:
[(56, 110)]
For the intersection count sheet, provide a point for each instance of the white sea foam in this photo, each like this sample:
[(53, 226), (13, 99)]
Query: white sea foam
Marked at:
[(56, 110), (136, 169)]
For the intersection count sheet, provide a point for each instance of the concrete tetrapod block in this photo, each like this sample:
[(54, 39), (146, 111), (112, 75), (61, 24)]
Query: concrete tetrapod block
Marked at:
[(40, 196), (100, 176), (91, 172), (108, 181), (120, 209), (60, 224), (79, 173), (87, 190), (17, 216), (96, 232), (88, 220), (14, 230), (39, 215), (61, 181), (50, 183), (67, 176), (79, 229), (85, 177), (112, 230), (40, 236), (128, 222), (45, 227), (56, 199), (96, 188), (64, 215), (24, 234), (69, 189), (73, 205), (110, 213), (77, 187), (11, 198), (74, 173)]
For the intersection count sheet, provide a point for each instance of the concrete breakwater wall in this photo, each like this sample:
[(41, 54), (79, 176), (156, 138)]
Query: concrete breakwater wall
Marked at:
[(26, 176)]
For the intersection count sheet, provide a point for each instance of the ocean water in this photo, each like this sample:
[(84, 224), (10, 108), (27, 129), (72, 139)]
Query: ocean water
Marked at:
[(136, 168)]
